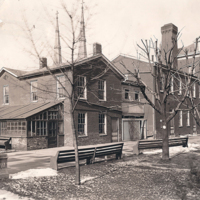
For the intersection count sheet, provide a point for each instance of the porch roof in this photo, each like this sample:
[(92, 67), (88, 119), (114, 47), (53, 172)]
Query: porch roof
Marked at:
[(24, 111)]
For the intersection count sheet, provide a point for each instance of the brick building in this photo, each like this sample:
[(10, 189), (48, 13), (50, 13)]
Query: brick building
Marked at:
[(35, 106), (183, 123), (148, 113), (35, 111), (134, 124)]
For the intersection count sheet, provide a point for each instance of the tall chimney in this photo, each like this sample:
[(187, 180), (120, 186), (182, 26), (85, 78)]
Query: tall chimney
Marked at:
[(97, 49), (43, 62), (169, 41)]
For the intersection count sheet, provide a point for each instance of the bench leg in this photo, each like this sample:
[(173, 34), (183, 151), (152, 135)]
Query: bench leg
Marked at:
[(88, 161), (118, 156)]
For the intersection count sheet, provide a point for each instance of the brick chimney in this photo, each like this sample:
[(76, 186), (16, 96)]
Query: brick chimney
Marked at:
[(97, 49), (43, 62), (169, 33)]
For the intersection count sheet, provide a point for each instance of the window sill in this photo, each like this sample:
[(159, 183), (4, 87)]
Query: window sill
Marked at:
[(181, 126), (103, 134), (161, 91), (82, 136), (34, 101), (102, 100), (6, 104), (82, 99), (60, 98)]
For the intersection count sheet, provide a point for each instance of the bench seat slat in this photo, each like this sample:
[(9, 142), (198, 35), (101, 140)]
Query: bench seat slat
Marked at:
[(86, 153)]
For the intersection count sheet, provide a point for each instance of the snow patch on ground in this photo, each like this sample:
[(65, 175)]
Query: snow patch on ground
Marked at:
[(33, 173), (176, 150), (5, 195), (87, 178)]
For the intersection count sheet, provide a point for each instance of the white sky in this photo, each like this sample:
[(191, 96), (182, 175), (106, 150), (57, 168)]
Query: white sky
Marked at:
[(118, 25)]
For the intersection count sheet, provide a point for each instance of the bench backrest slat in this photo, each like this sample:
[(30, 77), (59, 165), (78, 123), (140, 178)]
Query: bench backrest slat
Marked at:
[(147, 144), (86, 153)]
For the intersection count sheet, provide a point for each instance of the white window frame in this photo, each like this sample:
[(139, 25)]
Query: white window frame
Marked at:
[(4, 94), (199, 90), (194, 90), (85, 125), (104, 90), (34, 100), (60, 86), (180, 88), (162, 83), (172, 85), (104, 124), (172, 127), (83, 87), (188, 118), (180, 118)]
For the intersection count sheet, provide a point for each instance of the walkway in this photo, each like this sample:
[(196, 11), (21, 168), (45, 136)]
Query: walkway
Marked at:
[(24, 160)]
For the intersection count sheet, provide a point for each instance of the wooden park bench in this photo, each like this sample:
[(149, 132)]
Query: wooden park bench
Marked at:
[(5, 142), (86, 153), (151, 144)]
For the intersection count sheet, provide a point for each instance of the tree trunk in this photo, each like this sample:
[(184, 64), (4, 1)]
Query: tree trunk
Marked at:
[(165, 144), (77, 181)]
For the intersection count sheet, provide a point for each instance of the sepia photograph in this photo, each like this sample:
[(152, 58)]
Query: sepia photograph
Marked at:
[(99, 99)]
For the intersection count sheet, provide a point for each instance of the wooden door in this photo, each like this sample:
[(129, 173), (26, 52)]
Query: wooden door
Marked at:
[(115, 128), (52, 136)]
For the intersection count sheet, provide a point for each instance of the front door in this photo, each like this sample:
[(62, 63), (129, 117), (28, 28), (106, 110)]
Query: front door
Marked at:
[(115, 128), (134, 130), (52, 136)]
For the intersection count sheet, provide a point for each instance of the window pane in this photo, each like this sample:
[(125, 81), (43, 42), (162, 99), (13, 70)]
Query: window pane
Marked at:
[(6, 94), (101, 89), (81, 123), (101, 123), (81, 88)]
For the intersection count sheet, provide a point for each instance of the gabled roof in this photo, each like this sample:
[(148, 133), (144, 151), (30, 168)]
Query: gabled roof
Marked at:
[(24, 111), (131, 63), (65, 66), (13, 72)]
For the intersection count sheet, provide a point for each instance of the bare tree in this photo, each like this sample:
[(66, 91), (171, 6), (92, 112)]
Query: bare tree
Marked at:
[(66, 69), (172, 83)]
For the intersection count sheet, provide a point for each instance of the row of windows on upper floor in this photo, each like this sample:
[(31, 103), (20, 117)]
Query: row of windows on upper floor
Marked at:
[(81, 89), (180, 87)]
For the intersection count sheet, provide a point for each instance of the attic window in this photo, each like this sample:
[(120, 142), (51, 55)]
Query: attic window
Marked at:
[(5, 77), (6, 94)]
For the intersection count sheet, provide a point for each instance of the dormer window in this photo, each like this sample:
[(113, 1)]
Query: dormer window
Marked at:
[(6, 94), (34, 96)]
